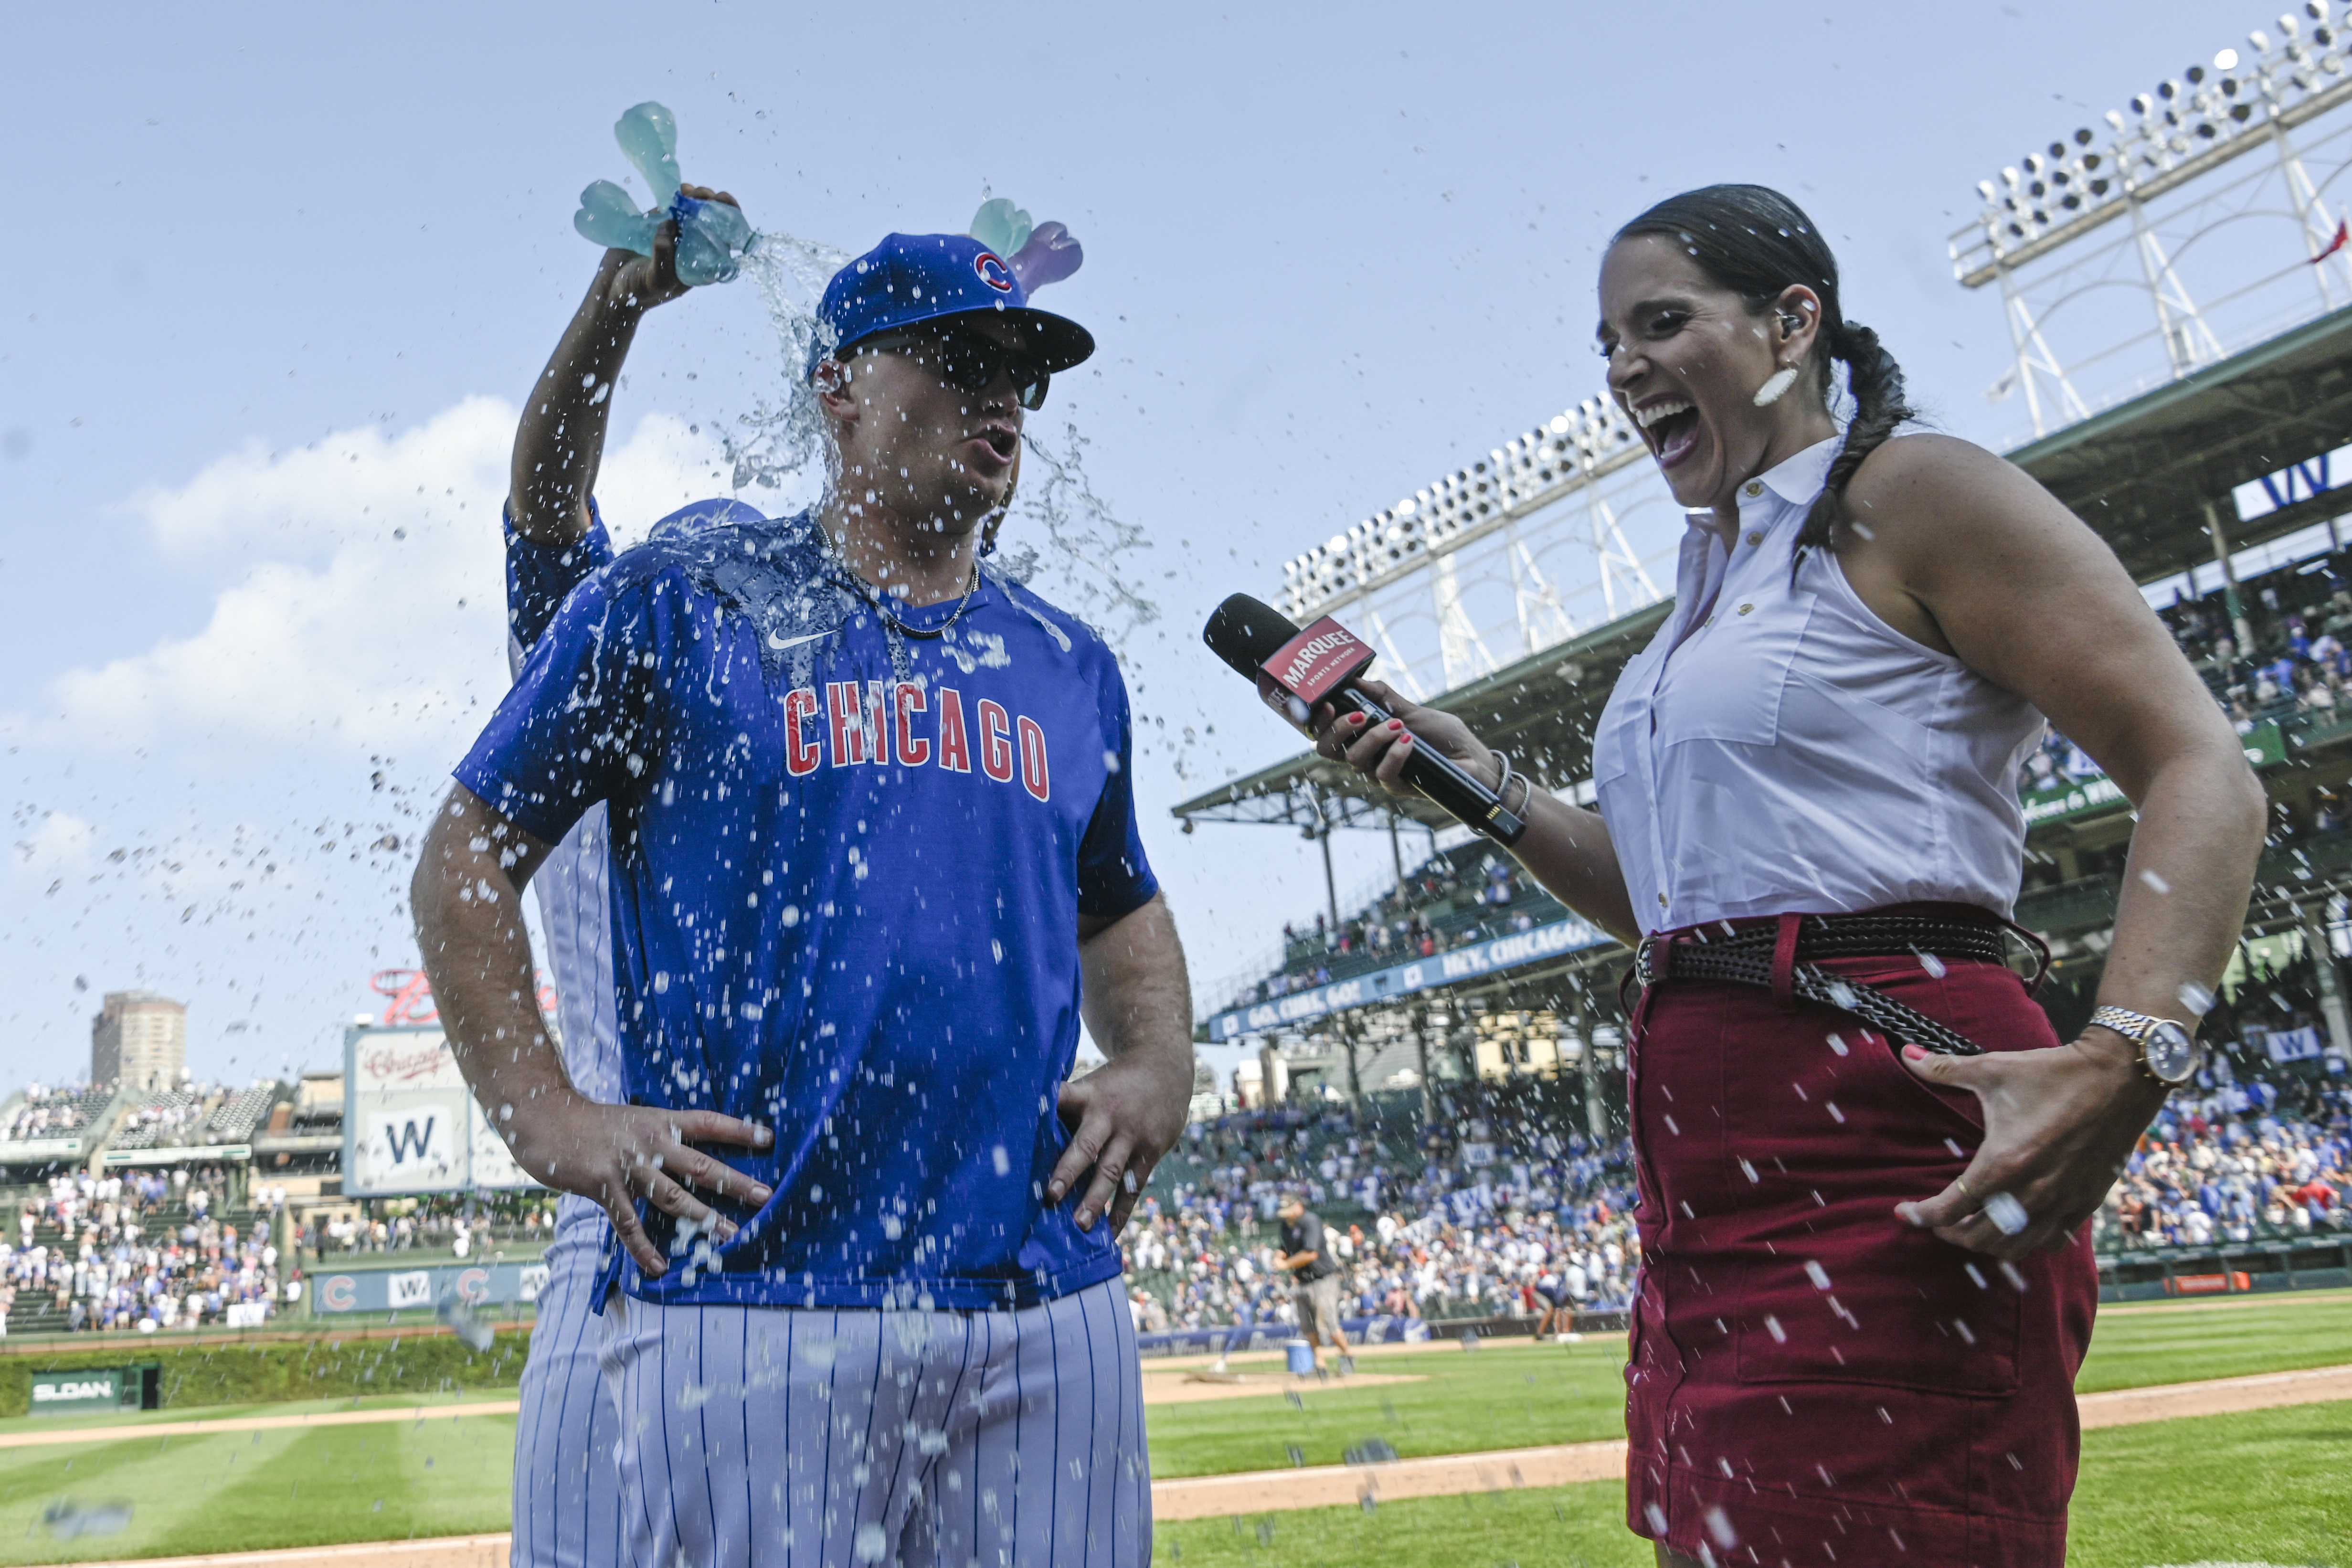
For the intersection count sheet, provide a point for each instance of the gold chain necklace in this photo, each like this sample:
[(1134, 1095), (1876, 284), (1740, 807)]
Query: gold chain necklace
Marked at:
[(874, 594)]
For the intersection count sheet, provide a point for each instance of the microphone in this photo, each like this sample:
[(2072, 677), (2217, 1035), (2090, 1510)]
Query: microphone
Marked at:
[(1296, 671)]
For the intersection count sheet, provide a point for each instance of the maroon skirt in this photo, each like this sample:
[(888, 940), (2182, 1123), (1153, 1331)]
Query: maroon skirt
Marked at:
[(1811, 1380)]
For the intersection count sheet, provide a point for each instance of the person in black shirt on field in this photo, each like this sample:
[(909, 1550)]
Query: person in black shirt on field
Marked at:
[(1306, 1256)]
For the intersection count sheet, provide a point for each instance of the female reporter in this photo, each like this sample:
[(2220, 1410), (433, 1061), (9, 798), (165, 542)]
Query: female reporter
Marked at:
[(1865, 1284)]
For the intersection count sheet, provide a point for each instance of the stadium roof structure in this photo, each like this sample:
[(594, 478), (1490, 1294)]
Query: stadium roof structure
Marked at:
[(2153, 476)]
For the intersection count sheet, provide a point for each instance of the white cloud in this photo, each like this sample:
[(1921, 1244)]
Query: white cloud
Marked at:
[(53, 845), (370, 618), (286, 505)]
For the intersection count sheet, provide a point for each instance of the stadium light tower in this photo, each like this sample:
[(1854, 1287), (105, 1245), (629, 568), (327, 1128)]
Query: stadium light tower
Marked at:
[(2175, 138), (1511, 497)]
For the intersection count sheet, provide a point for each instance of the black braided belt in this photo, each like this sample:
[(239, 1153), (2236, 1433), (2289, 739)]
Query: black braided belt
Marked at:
[(1745, 958)]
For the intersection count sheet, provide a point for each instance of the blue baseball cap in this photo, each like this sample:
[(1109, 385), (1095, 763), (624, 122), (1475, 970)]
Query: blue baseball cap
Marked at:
[(913, 277)]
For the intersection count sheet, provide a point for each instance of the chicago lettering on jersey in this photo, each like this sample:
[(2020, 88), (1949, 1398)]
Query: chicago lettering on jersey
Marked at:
[(850, 724)]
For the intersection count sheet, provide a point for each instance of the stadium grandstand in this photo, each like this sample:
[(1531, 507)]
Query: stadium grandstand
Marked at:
[(124, 1206), (1436, 1060), (203, 1207)]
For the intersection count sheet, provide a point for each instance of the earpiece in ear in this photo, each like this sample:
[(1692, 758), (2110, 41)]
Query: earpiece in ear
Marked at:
[(1776, 386)]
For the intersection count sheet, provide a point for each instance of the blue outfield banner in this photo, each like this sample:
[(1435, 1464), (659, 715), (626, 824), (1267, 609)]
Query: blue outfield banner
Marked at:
[(407, 1289), (1491, 957)]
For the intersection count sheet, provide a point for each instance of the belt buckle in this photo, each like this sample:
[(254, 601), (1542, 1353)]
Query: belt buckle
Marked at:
[(1652, 960)]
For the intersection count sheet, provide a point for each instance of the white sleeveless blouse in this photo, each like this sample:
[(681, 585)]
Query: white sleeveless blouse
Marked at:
[(1779, 748)]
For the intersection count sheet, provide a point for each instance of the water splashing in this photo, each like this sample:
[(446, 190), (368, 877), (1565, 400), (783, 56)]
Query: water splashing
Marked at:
[(1088, 556), (1060, 538), (781, 446)]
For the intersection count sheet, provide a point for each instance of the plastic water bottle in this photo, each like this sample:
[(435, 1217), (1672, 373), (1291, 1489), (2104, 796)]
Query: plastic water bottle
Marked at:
[(712, 236)]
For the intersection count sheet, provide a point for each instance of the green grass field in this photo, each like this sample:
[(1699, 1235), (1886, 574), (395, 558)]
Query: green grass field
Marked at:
[(2267, 1486), (2136, 1348), (1499, 1397)]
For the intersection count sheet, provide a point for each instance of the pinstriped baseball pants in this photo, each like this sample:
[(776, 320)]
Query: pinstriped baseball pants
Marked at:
[(803, 1439), (566, 1510)]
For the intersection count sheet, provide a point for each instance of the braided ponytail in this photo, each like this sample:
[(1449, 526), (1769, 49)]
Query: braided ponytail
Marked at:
[(1879, 410), (1757, 243)]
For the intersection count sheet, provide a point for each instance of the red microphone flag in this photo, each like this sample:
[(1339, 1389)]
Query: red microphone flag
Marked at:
[(1310, 667)]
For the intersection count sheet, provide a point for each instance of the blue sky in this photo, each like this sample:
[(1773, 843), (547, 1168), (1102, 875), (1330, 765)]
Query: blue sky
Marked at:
[(281, 274)]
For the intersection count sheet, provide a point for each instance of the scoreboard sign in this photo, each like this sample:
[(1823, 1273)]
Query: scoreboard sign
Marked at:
[(409, 1124)]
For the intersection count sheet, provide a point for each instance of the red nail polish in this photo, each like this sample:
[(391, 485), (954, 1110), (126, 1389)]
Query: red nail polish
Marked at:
[(1913, 1052)]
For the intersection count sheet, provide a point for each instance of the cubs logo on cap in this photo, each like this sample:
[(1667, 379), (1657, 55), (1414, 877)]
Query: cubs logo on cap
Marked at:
[(913, 277)]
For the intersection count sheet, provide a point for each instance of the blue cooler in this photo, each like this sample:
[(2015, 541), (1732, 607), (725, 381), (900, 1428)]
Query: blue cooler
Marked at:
[(1302, 1357)]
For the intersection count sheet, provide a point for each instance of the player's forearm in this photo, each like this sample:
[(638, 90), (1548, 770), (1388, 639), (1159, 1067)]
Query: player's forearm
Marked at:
[(467, 903), (1135, 995), (560, 444)]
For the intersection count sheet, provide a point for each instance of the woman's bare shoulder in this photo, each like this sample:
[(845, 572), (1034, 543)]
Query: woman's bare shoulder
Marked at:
[(1905, 463), (1938, 490)]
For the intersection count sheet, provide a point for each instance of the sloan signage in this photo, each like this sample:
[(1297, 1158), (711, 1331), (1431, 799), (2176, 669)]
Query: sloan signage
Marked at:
[(88, 1389)]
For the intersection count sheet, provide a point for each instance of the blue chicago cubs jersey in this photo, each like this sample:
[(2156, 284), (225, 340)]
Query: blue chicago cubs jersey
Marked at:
[(539, 577), (847, 870)]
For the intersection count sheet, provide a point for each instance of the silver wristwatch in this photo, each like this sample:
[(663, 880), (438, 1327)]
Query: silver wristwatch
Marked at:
[(2169, 1053)]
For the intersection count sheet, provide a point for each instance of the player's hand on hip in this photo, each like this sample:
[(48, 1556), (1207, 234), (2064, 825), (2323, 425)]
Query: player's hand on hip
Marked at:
[(1378, 747), (2058, 1125), (1122, 1117), (615, 1155), (641, 282)]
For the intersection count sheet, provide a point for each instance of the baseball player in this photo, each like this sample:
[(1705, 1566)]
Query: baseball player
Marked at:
[(870, 822)]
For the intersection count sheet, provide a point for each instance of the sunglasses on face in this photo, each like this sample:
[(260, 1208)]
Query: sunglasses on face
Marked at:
[(966, 359)]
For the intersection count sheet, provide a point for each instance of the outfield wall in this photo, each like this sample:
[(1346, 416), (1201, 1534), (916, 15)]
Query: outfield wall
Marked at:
[(2320, 1263)]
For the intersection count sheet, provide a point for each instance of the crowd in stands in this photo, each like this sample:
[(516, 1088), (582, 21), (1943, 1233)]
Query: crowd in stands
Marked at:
[(163, 1118), (2298, 673), (435, 1222), (47, 1113), (1495, 1224), (1410, 921), (195, 1113), (142, 1251), (2296, 668), (2260, 1147), (2236, 1160)]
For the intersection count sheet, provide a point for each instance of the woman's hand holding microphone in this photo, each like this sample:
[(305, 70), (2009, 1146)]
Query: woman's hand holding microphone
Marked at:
[(1379, 751)]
